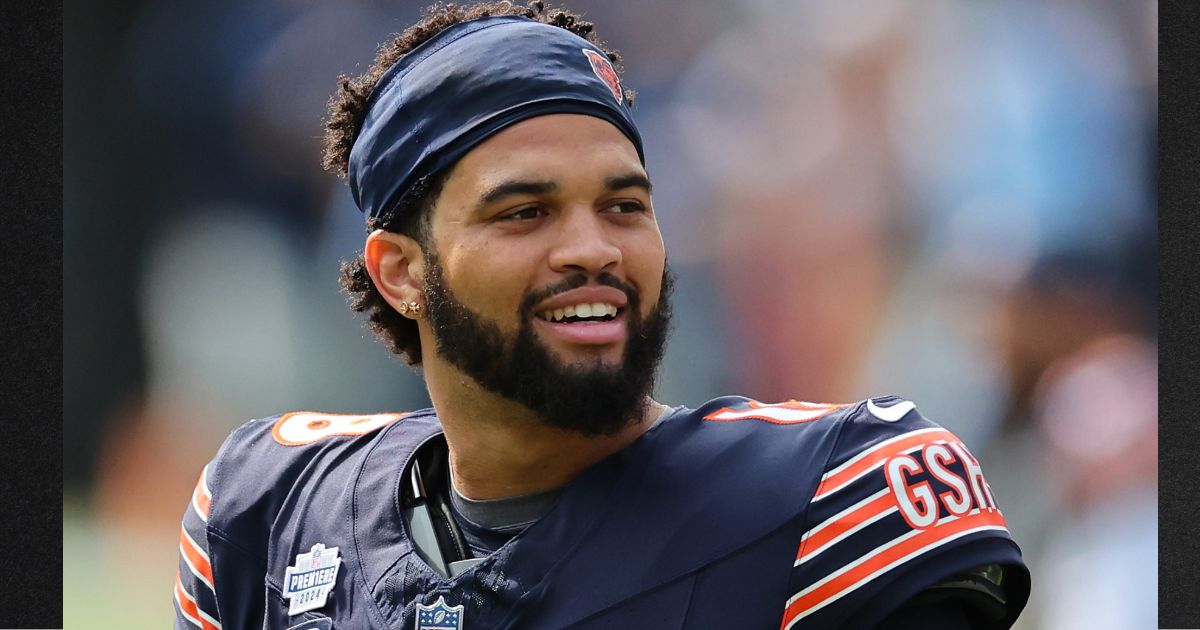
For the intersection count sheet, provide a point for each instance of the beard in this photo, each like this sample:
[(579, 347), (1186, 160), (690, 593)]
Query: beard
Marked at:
[(588, 397)]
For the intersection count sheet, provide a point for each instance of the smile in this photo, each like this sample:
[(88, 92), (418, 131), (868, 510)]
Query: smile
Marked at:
[(587, 312), (588, 329)]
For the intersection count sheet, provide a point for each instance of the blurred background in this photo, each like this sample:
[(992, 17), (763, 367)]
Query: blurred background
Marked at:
[(949, 201)]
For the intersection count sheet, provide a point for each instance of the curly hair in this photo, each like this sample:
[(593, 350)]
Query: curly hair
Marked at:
[(348, 108)]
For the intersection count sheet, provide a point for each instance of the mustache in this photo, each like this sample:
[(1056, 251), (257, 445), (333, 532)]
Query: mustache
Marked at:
[(575, 281)]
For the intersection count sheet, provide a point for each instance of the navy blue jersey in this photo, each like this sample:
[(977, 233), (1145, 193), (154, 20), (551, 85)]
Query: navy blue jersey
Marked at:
[(735, 514)]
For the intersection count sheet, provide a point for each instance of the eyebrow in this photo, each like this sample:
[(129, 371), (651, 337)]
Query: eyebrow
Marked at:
[(517, 188), (631, 180)]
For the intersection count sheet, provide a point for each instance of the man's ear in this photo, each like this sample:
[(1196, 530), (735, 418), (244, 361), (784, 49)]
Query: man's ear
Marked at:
[(396, 264)]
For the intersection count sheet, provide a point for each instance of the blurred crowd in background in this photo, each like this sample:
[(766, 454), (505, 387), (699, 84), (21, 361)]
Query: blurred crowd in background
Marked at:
[(949, 201)]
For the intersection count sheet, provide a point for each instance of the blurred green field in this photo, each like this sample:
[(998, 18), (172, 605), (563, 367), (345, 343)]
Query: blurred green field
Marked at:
[(114, 576)]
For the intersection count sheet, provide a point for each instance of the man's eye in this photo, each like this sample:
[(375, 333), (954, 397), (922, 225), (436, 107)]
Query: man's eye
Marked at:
[(627, 207), (523, 214)]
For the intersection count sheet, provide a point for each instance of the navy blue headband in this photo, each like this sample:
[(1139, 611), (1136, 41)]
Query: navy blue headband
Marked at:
[(465, 84)]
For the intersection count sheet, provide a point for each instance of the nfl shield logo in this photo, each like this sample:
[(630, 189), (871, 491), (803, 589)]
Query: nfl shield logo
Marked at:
[(439, 616)]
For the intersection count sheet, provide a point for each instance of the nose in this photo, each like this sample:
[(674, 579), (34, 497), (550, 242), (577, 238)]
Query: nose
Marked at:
[(584, 244)]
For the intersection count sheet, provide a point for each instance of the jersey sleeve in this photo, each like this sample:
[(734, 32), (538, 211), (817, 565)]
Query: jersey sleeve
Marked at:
[(195, 595), (219, 582), (901, 505), (265, 469)]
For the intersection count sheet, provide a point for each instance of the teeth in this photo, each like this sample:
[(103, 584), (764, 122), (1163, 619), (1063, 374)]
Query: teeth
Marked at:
[(595, 309), (600, 309)]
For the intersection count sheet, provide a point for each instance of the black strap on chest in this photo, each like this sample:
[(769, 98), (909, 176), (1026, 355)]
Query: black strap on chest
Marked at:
[(425, 504)]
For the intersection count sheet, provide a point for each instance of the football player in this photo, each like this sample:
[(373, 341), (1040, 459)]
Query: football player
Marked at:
[(514, 255)]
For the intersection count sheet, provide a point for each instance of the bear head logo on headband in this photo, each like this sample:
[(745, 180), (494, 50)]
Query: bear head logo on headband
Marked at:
[(604, 69)]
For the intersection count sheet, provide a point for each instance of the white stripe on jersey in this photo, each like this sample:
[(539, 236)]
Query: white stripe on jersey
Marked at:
[(205, 620), (203, 487), (868, 453), (875, 574), (810, 554), (195, 570)]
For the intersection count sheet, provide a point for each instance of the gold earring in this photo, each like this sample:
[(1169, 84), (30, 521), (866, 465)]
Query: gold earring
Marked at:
[(415, 308)]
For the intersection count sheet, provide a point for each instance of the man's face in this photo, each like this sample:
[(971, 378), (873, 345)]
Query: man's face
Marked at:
[(546, 278)]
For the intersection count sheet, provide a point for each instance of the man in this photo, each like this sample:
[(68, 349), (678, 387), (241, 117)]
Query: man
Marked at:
[(514, 255)]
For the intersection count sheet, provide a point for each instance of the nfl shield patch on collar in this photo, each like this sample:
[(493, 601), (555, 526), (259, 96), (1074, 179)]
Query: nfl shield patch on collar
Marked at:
[(308, 583), (439, 616)]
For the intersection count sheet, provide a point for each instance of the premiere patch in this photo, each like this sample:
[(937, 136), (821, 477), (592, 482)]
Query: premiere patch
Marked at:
[(308, 583)]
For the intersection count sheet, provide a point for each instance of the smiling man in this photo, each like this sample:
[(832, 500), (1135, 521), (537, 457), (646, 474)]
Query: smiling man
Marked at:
[(514, 255)]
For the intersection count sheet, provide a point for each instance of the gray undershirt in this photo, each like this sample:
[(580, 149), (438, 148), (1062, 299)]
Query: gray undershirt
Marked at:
[(492, 522)]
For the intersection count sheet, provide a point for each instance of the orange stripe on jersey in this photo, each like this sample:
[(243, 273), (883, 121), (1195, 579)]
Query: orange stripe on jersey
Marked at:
[(202, 496), (845, 523), (874, 457), (191, 611), (883, 559), (195, 558), (790, 412)]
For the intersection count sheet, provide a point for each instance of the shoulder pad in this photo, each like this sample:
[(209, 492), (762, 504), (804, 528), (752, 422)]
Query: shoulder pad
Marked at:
[(266, 473), (262, 462), (901, 504)]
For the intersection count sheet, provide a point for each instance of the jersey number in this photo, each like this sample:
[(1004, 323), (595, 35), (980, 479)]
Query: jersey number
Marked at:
[(790, 412), (305, 427)]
